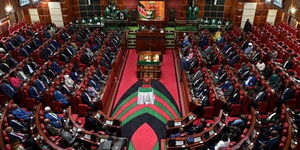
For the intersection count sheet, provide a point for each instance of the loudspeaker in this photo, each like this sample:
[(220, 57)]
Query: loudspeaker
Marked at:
[(106, 145)]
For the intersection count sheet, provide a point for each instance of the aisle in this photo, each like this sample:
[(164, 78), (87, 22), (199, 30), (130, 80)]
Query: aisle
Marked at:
[(144, 125)]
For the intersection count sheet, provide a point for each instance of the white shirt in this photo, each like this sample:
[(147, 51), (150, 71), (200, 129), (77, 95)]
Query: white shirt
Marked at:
[(2, 50), (261, 66), (222, 144), (68, 81)]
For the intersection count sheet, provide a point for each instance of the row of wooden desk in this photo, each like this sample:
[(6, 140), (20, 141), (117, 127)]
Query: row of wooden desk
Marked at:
[(85, 136)]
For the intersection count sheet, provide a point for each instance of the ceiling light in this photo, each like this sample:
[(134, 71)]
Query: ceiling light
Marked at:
[(293, 10), (8, 8)]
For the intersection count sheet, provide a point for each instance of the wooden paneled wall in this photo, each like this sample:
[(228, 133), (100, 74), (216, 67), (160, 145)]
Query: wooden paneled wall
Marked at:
[(261, 13), (68, 9), (233, 9)]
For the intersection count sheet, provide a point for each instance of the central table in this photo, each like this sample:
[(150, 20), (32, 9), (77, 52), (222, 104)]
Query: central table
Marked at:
[(145, 96)]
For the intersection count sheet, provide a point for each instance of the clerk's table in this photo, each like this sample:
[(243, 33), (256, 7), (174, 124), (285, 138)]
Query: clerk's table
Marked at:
[(148, 65), (145, 96)]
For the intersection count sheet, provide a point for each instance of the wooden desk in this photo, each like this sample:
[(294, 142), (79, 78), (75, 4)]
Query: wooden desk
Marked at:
[(202, 138), (149, 63), (174, 125), (148, 39)]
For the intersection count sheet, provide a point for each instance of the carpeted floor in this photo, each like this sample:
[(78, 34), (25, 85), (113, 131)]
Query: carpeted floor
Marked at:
[(168, 77), (144, 125)]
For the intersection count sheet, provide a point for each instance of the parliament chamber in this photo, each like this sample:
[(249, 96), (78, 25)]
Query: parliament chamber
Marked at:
[(149, 75)]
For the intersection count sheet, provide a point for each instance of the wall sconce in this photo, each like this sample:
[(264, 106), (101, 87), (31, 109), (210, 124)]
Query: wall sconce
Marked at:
[(268, 1), (293, 10), (35, 1), (8, 9)]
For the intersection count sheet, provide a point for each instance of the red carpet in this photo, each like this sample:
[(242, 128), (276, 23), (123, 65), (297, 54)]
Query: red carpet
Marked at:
[(149, 142), (144, 125), (139, 107), (129, 75), (168, 75)]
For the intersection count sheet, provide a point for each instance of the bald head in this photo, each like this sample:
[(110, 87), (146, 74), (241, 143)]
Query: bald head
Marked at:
[(14, 106), (8, 129), (10, 116), (46, 121)]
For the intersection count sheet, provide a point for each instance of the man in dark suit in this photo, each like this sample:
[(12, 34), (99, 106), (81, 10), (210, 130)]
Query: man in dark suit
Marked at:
[(51, 129), (251, 80), (34, 93), (87, 99), (85, 58), (50, 73), (235, 97), (64, 36), (234, 60), (20, 38), (41, 87), (91, 123), (24, 52), (287, 94), (28, 69), (17, 125), (260, 96), (64, 57), (288, 64), (4, 67), (273, 142), (45, 79), (55, 44), (12, 62), (8, 90), (55, 67), (184, 63), (37, 42), (16, 137), (248, 26), (94, 84), (47, 34), (65, 89)]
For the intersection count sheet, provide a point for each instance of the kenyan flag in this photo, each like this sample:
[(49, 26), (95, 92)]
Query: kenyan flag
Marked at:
[(142, 11)]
